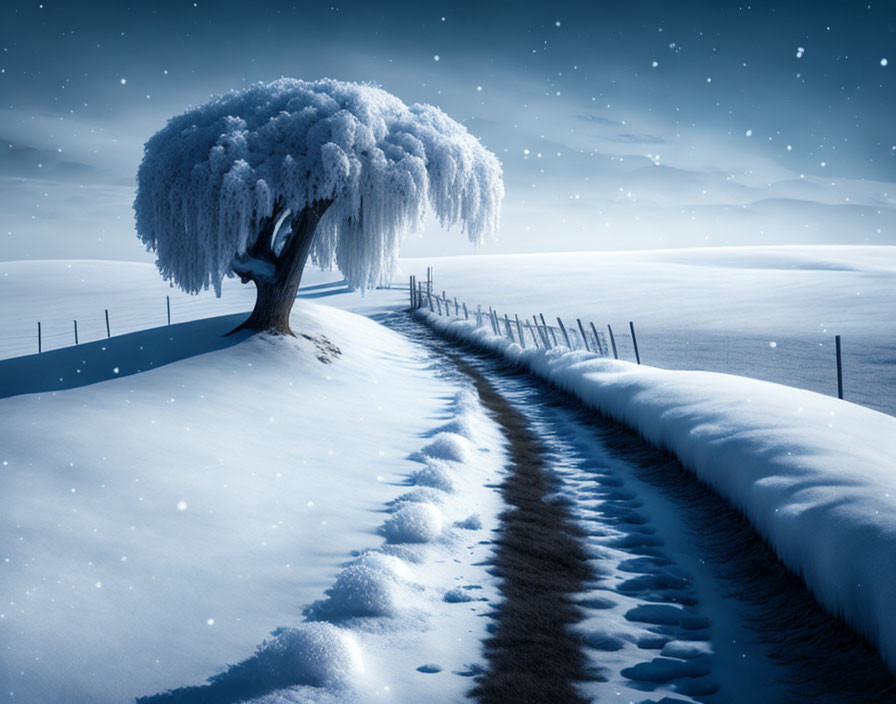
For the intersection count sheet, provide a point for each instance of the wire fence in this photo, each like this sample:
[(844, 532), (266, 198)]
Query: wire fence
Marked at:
[(54, 331), (573, 334)]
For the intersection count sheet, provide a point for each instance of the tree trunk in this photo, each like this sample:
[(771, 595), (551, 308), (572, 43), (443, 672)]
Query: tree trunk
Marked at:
[(276, 294)]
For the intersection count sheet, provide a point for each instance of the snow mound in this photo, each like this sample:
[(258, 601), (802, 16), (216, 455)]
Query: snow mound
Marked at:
[(471, 522), (462, 425), (448, 446), (316, 654), (420, 495), (435, 473), (414, 523), (373, 585), (813, 474)]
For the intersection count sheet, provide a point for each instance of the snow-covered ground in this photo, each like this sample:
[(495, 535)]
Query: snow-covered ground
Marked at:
[(58, 292), (243, 481), (157, 527), (770, 313), (814, 475)]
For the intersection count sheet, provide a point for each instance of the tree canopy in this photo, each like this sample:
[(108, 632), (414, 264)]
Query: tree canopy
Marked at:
[(221, 177)]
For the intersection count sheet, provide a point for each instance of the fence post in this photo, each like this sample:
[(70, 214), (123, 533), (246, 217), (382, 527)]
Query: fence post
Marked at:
[(478, 315), (631, 327), (839, 368), (600, 347), (565, 335), (411, 291), (613, 342), (584, 336), (508, 328), (532, 332), (466, 314), (108, 333), (38, 338), (495, 326), (76, 331), (429, 297), (519, 330), (439, 304), (168, 306), (548, 329), (542, 332)]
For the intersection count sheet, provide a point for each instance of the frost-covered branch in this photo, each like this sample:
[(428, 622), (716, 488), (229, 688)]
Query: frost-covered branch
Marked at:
[(215, 184)]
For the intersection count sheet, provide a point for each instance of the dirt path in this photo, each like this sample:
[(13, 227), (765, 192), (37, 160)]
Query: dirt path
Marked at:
[(627, 579)]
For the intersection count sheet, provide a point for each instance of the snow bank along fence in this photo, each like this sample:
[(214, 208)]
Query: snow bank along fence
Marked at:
[(538, 332)]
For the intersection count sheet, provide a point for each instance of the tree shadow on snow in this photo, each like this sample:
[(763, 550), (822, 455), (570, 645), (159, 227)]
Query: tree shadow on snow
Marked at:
[(122, 355)]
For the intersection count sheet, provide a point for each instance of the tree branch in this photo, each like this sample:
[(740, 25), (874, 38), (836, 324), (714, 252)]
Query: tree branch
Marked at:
[(307, 218), (259, 261)]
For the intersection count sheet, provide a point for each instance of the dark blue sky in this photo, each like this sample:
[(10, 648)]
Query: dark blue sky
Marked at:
[(620, 124)]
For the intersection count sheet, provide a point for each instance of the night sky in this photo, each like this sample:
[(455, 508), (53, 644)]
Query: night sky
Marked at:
[(620, 125)]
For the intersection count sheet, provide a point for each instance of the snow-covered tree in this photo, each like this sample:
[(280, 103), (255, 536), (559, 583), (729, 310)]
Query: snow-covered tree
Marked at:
[(255, 181)]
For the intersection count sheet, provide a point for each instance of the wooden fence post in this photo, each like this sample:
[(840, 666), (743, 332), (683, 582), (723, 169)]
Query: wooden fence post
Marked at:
[(478, 315), (519, 331), (38, 338), (108, 333), (631, 327), (508, 328), (565, 335), (429, 297), (613, 342), (76, 331), (548, 329), (542, 332), (439, 304), (532, 333), (168, 306), (839, 368), (584, 336), (600, 347), (456, 308), (466, 314)]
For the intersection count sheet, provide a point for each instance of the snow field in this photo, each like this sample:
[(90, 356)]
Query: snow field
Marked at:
[(172, 519), (813, 474), (390, 596), (770, 313)]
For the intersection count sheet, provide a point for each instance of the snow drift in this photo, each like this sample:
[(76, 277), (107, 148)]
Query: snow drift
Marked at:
[(815, 475)]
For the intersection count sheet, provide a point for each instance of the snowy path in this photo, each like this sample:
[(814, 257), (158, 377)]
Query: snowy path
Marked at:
[(684, 601)]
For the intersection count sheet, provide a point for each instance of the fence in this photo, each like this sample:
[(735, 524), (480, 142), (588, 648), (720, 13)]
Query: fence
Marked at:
[(539, 333)]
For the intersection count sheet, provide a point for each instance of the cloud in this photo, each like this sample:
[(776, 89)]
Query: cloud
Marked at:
[(600, 120), (630, 138)]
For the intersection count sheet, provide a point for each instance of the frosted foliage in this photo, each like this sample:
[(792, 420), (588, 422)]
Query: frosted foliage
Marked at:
[(211, 178)]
